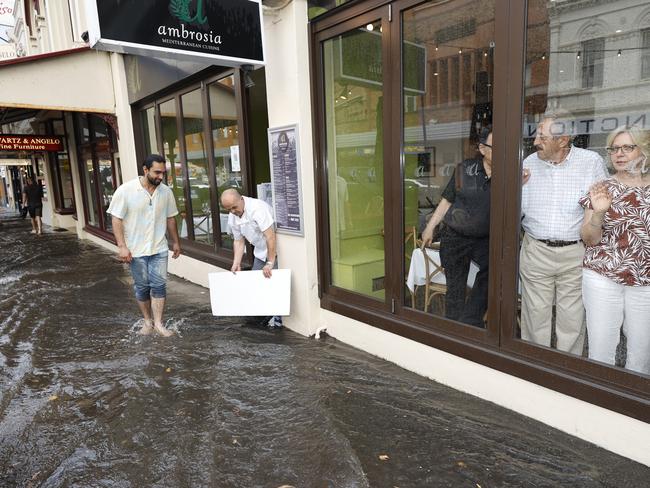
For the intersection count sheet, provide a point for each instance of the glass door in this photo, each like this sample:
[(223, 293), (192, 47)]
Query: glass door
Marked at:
[(447, 73), (354, 57)]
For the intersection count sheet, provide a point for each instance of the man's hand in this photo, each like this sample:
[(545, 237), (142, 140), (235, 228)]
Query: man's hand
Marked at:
[(267, 269), (525, 176), (176, 250), (124, 254), (235, 267)]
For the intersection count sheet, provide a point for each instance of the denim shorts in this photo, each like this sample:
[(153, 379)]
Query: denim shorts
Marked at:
[(150, 276)]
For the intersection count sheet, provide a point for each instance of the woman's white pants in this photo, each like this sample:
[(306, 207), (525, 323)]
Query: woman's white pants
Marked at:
[(609, 306)]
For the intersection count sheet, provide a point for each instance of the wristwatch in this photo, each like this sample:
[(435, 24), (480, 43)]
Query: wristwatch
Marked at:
[(269, 263)]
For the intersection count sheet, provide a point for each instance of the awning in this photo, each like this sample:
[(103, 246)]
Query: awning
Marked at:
[(79, 80)]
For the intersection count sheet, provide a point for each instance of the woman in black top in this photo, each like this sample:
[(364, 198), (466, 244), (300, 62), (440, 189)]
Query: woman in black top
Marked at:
[(465, 211)]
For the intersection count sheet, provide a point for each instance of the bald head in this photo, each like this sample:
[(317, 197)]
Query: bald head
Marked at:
[(233, 202)]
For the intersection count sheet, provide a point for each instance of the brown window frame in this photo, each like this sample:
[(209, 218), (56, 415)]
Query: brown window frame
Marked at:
[(211, 253), (55, 172), (97, 230), (496, 347)]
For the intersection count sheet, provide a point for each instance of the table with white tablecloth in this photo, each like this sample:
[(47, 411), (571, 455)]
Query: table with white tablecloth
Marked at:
[(417, 275)]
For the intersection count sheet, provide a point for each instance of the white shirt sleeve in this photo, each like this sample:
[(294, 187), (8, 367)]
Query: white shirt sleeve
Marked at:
[(118, 207), (263, 217), (234, 228), (172, 210)]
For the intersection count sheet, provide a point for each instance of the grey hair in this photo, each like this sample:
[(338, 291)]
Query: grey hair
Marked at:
[(564, 123)]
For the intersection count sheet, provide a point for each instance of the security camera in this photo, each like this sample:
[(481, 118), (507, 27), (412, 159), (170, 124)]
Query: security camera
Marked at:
[(85, 36)]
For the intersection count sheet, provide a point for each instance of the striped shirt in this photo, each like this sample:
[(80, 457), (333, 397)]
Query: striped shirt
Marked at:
[(550, 201), (144, 216)]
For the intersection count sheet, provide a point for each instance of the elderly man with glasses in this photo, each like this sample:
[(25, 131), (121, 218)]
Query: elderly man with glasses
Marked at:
[(550, 266)]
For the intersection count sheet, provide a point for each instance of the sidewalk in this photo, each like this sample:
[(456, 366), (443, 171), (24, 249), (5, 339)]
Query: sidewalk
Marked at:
[(84, 401)]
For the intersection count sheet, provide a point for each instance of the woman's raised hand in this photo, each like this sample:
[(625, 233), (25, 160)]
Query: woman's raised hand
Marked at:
[(600, 197)]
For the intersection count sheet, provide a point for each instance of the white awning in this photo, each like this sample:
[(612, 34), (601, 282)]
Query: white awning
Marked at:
[(78, 80)]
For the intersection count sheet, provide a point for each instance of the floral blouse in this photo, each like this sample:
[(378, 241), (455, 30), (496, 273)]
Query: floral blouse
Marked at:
[(623, 253)]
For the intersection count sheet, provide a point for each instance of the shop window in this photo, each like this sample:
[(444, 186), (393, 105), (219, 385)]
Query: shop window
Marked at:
[(96, 147), (200, 135), (579, 266), (446, 72), (61, 173), (224, 131), (398, 122), (196, 158)]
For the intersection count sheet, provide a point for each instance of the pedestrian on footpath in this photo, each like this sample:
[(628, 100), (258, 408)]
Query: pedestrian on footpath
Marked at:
[(33, 200), (252, 220), (142, 212)]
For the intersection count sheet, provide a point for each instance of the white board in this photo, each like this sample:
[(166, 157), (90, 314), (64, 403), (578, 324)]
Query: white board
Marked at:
[(250, 293)]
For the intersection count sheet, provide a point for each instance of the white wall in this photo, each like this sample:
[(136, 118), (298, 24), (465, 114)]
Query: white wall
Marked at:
[(289, 102)]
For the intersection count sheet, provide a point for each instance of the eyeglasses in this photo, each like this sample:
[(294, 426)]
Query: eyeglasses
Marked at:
[(627, 148), (485, 145)]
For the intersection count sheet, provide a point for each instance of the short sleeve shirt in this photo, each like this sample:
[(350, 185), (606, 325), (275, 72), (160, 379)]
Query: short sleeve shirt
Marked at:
[(623, 253), (144, 216), (257, 218), (468, 191), (34, 194)]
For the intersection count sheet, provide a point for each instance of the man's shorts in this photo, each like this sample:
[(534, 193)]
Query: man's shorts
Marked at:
[(35, 211)]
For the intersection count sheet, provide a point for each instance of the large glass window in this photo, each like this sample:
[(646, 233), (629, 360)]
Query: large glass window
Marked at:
[(447, 157), (353, 113), (96, 144), (200, 132), (197, 166), (172, 154), (224, 129), (416, 101), (584, 261)]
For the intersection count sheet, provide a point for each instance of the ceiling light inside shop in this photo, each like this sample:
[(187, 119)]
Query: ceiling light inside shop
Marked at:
[(370, 27)]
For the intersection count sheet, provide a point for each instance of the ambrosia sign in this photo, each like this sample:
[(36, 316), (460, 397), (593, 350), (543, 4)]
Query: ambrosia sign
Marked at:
[(17, 142), (226, 32)]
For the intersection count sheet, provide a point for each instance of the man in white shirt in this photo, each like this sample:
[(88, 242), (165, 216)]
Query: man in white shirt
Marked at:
[(142, 212), (252, 219), (550, 265)]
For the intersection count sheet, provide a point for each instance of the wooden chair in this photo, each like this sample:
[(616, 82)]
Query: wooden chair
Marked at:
[(433, 290)]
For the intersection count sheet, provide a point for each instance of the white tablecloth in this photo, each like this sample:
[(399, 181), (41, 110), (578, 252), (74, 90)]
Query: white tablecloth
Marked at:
[(417, 270)]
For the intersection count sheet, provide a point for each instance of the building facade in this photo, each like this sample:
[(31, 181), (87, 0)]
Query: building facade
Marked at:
[(387, 98)]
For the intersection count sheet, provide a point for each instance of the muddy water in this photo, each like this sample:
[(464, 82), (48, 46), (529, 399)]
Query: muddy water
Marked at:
[(85, 402)]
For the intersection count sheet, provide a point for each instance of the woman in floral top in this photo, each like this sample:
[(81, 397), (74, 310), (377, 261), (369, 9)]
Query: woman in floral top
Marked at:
[(616, 267)]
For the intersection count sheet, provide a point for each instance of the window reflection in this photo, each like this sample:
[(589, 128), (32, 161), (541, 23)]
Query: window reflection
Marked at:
[(586, 90), (171, 152), (447, 68), (197, 167), (225, 143)]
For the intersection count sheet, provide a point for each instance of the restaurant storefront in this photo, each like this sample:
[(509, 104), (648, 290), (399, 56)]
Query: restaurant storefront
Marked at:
[(386, 98), (401, 91)]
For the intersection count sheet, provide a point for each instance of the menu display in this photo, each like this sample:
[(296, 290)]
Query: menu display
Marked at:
[(285, 178)]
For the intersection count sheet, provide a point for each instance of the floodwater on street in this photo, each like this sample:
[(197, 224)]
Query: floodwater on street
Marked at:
[(86, 402)]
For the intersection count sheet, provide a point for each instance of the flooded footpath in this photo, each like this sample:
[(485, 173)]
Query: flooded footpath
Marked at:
[(86, 402)]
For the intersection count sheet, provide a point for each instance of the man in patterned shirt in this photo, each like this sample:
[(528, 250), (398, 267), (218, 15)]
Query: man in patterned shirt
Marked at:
[(143, 213), (550, 265)]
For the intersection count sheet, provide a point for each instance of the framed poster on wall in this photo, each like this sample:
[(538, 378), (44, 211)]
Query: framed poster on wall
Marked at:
[(284, 152)]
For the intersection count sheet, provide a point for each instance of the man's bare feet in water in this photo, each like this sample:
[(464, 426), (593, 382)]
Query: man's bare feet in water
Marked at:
[(161, 330), (146, 329)]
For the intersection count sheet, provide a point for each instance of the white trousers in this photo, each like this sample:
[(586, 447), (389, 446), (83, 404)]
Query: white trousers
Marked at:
[(610, 305)]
